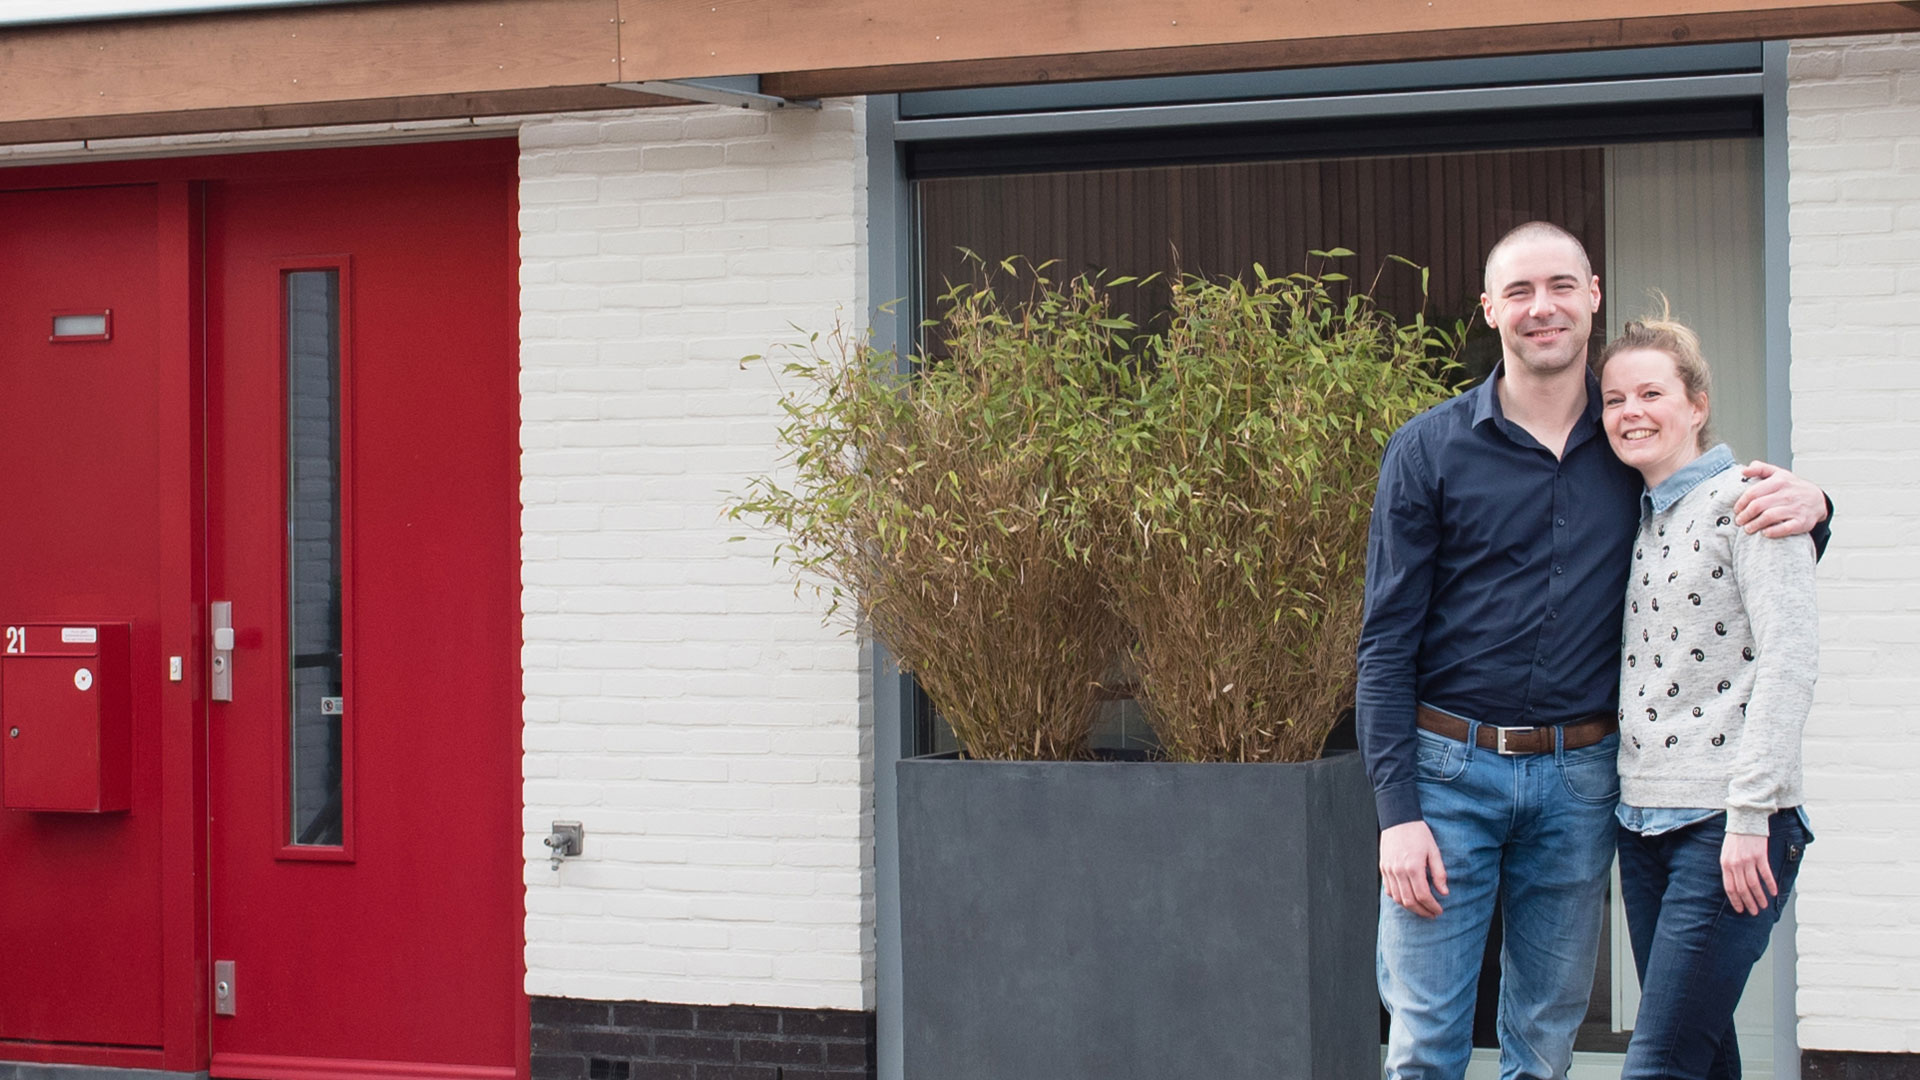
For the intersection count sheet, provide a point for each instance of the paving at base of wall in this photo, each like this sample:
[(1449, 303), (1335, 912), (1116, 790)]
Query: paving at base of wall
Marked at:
[(643, 1040), (1851, 1065)]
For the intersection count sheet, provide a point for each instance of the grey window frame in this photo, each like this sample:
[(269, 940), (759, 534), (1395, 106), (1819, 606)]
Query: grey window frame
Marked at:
[(1755, 72)]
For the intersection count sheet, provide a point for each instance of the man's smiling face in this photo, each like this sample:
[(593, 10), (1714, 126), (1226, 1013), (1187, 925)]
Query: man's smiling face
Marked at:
[(1541, 297)]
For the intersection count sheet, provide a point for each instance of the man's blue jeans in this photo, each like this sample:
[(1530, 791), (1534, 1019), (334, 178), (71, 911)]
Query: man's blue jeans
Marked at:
[(1693, 950), (1534, 834)]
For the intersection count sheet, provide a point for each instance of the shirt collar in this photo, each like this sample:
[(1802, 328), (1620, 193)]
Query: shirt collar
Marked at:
[(1686, 478), (1486, 396), (1486, 404)]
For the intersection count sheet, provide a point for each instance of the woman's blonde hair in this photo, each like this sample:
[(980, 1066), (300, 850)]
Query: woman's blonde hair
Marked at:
[(1663, 334)]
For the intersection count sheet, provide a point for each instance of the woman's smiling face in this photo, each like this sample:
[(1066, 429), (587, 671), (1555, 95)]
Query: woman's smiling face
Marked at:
[(1650, 421)]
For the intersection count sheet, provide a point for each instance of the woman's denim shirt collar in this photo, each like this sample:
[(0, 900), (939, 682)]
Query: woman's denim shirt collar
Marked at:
[(1685, 479)]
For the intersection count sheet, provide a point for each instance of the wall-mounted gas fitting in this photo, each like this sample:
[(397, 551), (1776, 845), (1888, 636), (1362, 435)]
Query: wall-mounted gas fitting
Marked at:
[(565, 841)]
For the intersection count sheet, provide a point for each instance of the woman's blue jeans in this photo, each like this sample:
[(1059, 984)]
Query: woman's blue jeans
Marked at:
[(1533, 834), (1693, 950)]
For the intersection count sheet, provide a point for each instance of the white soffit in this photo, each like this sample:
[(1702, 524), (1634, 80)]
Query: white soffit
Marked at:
[(26, 12)]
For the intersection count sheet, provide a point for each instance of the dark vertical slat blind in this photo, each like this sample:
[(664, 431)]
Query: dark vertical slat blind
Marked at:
[(1442, 211)]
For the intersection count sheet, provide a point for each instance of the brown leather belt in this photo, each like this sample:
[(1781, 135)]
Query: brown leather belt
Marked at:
[(1521, 740)]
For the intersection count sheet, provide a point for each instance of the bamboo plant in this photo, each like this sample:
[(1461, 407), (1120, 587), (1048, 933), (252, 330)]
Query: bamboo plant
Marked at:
[(935, 500), (1239, 494), (1047, 492)]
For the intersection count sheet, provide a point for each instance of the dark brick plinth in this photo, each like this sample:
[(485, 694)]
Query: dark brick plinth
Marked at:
[(1849, 1065), (644, 1040)]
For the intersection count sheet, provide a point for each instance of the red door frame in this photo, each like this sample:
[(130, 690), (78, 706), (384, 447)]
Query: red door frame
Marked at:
[(186, 962)]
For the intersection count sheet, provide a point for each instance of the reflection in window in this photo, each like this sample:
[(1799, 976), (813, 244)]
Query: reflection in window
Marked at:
[(313, 554)]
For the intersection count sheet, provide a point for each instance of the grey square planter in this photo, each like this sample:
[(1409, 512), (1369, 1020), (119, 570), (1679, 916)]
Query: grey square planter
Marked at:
[(1114, 920)]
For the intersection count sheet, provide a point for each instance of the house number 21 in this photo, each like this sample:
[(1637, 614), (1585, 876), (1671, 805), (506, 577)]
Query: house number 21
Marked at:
[(16, 639)]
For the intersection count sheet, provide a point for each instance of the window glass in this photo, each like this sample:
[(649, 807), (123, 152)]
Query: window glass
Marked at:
[(313, 556), (1681, 216)]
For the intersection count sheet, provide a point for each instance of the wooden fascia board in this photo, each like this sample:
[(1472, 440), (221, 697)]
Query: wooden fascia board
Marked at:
[(1771, 25), (389, 110), (304, 56), (429, 59), (674, 39)]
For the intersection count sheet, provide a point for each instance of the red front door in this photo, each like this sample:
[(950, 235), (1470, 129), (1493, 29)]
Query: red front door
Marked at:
[(363, 527), (301, 422)]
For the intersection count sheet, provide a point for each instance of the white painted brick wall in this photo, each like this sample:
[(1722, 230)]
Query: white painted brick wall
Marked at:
[(682, 702), (1854, 138)]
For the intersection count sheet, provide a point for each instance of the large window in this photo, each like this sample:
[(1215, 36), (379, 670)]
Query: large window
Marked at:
[(1683, 216)]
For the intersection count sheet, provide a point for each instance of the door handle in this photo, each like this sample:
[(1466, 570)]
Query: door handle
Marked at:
[(220, 619)]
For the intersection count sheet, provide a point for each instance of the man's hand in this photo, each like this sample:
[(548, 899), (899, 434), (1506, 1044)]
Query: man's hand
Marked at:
[(1745, 872), (1407, 855), (1778, 503)]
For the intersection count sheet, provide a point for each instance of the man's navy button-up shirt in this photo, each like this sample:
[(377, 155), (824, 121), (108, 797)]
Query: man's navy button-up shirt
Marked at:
[(1495, 577)]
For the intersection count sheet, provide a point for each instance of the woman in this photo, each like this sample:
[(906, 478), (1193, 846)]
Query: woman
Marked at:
[(1716, 677)]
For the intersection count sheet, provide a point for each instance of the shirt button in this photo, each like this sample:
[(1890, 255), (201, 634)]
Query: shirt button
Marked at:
[(1551, 615), (1559, 569), (1560, 522), (1542, 661)]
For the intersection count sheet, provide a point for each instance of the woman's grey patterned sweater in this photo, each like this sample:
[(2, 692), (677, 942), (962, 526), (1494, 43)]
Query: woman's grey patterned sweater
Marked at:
[(1718, 663)]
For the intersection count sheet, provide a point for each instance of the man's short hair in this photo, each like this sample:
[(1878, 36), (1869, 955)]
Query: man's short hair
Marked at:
[(1534, 230)]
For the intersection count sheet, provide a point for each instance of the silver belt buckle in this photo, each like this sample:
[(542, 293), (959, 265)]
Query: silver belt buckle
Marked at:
[(1500, 740)]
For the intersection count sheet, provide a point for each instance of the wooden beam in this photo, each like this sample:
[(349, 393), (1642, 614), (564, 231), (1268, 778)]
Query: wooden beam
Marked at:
[(1782, 24), (671, 39), (325, 113), (428, 59), (305, 56)]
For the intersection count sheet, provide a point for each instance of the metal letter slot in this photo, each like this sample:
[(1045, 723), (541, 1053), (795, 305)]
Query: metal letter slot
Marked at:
[(82, 326), (220, 618), (223, 996)]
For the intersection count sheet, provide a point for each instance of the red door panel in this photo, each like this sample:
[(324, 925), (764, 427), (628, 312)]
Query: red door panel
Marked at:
[(80, 543), (392, 936)]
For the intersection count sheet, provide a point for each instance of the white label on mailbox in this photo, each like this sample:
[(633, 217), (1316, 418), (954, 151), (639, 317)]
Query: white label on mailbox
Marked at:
[(83, 679), (333, 706), (79, 635)]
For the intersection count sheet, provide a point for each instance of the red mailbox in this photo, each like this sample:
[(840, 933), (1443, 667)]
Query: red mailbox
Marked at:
[(65, 717)]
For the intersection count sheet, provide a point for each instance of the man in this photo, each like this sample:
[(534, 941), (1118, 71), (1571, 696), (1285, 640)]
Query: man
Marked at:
[(1489, 664)]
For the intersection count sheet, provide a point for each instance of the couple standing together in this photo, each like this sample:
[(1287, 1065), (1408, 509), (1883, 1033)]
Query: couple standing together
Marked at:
[(1584, 629)]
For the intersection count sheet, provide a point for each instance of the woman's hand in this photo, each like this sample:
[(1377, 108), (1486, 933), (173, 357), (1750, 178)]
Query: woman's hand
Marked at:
[(1745, 872)]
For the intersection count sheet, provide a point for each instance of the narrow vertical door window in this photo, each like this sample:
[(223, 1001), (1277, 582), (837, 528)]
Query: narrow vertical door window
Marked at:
[(317, 709)]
